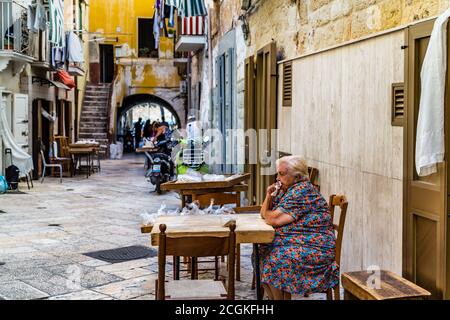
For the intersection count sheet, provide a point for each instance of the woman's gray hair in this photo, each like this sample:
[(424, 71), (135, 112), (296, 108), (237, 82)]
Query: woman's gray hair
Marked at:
[(296, 165)]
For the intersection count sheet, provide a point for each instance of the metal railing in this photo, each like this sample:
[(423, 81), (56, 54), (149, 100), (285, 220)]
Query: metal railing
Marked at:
[(14, 35)]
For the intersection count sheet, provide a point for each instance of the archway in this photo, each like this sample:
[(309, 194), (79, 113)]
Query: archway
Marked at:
[(147, 107)]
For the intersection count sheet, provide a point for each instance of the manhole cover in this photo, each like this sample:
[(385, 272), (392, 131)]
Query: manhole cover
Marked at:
[(69, 189), (54, 225), (40, 208), (122, 254), (1, 211), (2, 263), (88, 197)]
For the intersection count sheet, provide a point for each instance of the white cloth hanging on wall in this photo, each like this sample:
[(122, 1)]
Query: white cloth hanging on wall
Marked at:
[(74, 48), (430, 148), (20, 158)]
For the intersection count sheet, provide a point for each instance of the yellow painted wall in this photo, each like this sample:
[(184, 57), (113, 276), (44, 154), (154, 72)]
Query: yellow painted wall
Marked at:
[(119, 18)]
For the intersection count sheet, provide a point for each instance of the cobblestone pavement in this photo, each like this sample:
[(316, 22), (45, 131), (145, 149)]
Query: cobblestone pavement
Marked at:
[(45, 231)]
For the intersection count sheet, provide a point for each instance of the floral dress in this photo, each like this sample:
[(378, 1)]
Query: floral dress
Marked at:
[(301, 258)]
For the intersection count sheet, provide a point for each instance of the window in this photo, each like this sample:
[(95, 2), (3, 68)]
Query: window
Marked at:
[(287, 84), (146, 39), (398, 104)]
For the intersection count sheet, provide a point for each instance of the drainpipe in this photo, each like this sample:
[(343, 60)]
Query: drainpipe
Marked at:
[(210, 70), (188, 84)]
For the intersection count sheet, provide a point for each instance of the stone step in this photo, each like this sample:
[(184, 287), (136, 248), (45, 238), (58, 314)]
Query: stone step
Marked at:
[(90, 119), (96, 95), (94, 113), (95, 92), (95, 100), (98, 127), (95, 136), (94, 108), (93, 130)]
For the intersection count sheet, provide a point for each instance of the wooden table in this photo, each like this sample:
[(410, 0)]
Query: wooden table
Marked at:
[(361, 285), (80, 151), (225, 191), (85, 145), (250, 228)]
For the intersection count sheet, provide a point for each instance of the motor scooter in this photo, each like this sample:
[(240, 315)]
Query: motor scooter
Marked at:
[(161, 167)]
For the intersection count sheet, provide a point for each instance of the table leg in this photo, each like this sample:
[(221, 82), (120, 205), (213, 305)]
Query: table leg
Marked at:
[(183, 201), (257, 272), (176, 268)]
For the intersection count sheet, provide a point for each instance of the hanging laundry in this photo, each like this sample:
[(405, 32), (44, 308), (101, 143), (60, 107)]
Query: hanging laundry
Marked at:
[(58, 57), (56, 22), (65, 78), (31, 16), (171, 18), (156, 29), (74, 48), (40, 21)]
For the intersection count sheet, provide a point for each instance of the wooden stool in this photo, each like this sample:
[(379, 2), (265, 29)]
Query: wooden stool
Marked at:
[(358, 286)]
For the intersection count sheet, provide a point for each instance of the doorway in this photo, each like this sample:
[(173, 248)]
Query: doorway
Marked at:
[(425, 216), (106, 63), (260, 114), (41, 133)]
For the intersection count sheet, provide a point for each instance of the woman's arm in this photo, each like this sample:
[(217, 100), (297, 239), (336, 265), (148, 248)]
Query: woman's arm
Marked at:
[(275, 218)]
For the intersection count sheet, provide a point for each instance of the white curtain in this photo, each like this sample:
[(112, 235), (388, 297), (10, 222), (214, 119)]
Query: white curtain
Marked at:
[(430, 148), (20, 158)]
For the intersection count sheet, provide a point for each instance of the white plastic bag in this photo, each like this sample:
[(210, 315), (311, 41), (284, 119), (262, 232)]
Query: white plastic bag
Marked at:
[(119, 150), (113, 151), (148, 218), (162, 210)]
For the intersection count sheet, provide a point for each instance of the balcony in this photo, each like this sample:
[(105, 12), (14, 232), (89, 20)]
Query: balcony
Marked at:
[(191, 34), (14, 36)]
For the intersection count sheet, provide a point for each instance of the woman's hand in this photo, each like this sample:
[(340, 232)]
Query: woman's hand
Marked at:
[(271, 189)]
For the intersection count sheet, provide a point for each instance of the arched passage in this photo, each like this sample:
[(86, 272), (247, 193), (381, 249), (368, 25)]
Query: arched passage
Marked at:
[(149, 107)]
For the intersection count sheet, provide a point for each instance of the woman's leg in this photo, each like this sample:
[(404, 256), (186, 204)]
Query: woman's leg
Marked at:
[(267, 289), (274, 293), (279, 294)]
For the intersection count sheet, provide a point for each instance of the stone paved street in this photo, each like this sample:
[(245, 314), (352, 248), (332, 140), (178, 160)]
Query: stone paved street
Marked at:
[(103, 212)]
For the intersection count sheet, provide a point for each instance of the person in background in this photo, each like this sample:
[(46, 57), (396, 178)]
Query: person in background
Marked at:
[(147, 129), (137, 133)]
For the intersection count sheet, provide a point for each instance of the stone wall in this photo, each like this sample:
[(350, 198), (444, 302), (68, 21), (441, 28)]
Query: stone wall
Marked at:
[(306, 26)]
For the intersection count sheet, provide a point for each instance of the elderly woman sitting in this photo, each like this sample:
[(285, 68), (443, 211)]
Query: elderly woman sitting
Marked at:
[(301, 258)]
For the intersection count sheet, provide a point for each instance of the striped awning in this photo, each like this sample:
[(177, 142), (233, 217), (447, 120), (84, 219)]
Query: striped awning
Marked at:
[(189, 8)]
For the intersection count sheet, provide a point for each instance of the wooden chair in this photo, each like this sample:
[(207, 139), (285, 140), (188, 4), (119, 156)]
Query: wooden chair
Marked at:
[(341, 202), (58, 158), (46, 165), (226, 196), (195, 247)]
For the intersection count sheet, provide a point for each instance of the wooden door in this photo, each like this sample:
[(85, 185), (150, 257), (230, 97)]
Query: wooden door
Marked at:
[(261, 115), (20, 119), (250, 124), (425, 207)]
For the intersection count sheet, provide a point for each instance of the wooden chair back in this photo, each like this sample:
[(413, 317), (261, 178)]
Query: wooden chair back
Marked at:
[(63, 143), (220, 198), (313, 174), (341, 202), (196, 247)]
